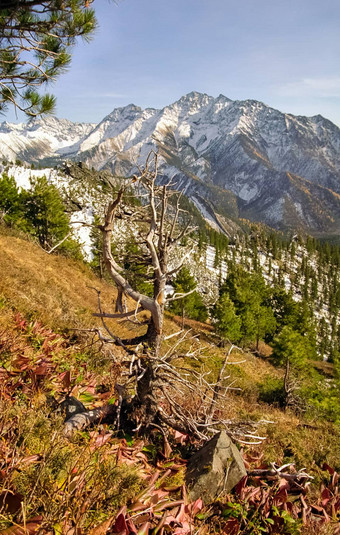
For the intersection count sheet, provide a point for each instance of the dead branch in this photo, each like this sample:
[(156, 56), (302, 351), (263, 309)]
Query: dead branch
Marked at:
[(164, 393), (299, 476), (58, 244), (176, 296), (85, 419), (217, 386), (118, 316)]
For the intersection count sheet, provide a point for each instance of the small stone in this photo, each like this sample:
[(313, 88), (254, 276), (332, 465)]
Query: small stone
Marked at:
[(215, 468)]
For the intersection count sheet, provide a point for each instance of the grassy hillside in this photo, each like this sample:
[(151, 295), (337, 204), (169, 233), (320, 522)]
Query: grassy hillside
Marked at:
[(51, 287), (47, 352)]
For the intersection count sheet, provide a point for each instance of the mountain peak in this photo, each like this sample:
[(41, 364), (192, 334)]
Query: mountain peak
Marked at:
[(192, 102), (222, 97), (193, 95), (128, 112)]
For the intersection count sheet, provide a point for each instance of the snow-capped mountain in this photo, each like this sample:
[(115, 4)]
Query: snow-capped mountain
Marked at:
[(41, 138), (233, 158)]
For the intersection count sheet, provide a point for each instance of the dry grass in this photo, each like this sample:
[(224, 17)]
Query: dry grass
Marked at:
[(56, 291), (50, 287)]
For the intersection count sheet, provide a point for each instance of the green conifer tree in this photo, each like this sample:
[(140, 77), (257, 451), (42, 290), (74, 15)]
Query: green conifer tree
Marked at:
[(35, 42), (227, 323), (45, 213), (11, 209), (290, 346), (192, 305)]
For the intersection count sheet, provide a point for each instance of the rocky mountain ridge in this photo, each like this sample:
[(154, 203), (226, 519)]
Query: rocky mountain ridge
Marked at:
[(232, 158)]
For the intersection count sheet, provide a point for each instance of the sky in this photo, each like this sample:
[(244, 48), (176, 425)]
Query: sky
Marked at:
[(285, 53)]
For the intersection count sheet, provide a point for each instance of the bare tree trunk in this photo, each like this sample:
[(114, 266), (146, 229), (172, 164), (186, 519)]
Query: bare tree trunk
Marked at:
[(159, 237)]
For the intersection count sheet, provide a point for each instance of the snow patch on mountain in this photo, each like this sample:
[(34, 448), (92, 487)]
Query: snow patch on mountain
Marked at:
[(245, 147), (205, 214)]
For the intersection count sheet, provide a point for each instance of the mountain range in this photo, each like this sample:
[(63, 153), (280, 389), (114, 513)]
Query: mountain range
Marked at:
[(232, 158)]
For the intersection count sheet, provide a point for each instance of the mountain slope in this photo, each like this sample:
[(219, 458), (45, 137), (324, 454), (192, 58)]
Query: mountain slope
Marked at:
[(278, 168), (41, 138)]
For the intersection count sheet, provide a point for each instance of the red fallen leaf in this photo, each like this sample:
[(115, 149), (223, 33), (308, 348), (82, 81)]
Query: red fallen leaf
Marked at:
[(142, 518), (19, 364), (325, 496), (328, 468), (105, 395), (131, 527), (99, 440), (166, 474), (280, 497), (167, 449), (182, 515), (157, 495), (20, 322), (10, 501), (137, 506), (41, 370), (102, 528), (232, 526), (130, 462), (170, 519), (167, 504), (180, 438), (142, 456), (252, 494), (283, 484), (194, 507), (65, 379), (185, 529), (152, 481), (120, 525), (289, 506), (241, 485)]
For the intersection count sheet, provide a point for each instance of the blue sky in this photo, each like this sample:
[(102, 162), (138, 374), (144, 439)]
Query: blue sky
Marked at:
[(285, 53)]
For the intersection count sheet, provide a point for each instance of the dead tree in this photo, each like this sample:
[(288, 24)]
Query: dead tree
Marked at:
[(160, 386), (291, 386), (160, 236)]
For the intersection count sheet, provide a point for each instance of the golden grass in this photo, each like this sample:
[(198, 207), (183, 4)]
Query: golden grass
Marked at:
[(56, 291)]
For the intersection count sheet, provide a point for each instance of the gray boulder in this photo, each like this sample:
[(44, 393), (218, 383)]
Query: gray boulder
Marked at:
[(215, 468)]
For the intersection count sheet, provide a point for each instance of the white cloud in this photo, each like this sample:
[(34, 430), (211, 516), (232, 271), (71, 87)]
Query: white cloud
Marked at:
[(312, 87)]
